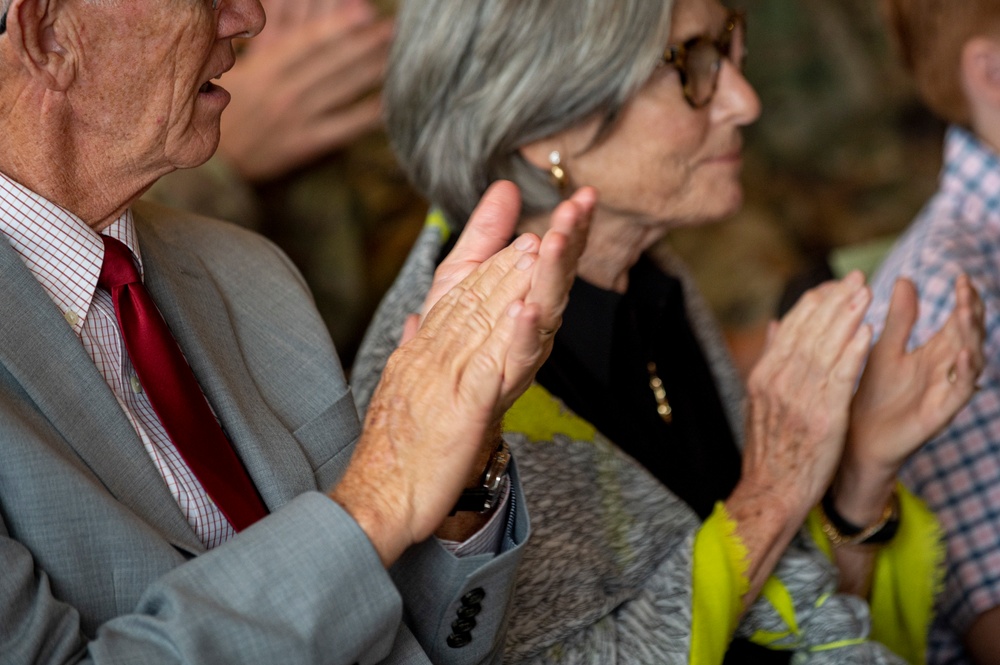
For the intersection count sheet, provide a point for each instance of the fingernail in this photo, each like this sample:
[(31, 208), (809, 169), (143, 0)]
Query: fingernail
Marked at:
[(515, 309), (525, 242), (525, 262)]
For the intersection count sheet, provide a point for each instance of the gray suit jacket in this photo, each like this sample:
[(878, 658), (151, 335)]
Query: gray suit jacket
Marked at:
[(99, 564)]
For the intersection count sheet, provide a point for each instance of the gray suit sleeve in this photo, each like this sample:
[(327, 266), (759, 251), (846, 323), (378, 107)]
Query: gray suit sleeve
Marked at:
[(302, 586), (441, 590)]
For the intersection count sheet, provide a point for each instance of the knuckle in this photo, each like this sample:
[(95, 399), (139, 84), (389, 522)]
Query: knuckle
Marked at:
[(472, 299)]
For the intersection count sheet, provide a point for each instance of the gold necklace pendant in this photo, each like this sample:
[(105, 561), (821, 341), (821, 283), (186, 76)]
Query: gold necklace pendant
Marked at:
[(659, 394)]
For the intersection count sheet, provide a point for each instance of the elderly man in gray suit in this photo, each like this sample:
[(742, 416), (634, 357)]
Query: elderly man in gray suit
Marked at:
[(187, 481)]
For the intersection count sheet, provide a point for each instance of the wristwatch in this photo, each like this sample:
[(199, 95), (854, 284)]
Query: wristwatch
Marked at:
[(482, 499)]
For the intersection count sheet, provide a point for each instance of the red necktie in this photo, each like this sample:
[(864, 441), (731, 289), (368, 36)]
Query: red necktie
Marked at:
[(174, 392)]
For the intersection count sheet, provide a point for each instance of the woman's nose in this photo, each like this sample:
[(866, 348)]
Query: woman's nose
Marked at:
[(735, 100)]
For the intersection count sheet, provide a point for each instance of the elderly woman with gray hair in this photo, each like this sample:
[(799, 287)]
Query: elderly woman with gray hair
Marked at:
[(673, 509)]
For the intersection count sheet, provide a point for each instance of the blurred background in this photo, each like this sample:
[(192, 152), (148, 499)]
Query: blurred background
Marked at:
[(840, 161)]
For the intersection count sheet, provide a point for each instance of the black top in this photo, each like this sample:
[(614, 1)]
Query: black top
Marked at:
[(598, 367)]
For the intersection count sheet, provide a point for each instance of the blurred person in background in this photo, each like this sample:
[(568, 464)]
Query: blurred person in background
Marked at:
[(953, 51), (661, 507), (303, 159)]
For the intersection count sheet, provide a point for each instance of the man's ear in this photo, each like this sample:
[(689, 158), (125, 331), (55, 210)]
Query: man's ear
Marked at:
[(31, 28), (981, 70)]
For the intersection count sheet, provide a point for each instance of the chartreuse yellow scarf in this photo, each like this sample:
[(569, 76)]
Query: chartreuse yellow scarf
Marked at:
[(908, 571)]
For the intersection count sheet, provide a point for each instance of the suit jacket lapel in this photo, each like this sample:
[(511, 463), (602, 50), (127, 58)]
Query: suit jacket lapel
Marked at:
[(197, 315), (47, 360)]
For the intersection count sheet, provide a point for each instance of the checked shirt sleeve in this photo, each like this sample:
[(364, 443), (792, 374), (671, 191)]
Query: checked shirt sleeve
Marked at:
[(957, 473)]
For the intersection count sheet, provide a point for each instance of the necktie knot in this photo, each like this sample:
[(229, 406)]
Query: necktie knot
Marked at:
[(118, 268)]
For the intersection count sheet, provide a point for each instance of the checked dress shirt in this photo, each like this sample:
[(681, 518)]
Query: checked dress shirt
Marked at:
[(958, 472)]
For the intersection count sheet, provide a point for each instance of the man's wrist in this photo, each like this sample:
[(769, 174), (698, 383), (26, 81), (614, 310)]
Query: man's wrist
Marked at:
[(387, 535), (491, 440)]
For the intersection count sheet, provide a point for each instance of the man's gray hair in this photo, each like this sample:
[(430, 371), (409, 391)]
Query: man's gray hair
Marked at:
[(471, 81)]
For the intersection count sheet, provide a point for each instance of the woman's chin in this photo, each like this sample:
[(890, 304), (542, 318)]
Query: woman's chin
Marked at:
[(717, 208)]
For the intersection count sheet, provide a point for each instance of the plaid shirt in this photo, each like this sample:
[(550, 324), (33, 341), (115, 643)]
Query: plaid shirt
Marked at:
[(958, 472)]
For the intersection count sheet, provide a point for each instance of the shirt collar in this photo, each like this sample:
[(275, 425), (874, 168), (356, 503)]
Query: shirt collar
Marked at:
[(60, 250), (972, 172)]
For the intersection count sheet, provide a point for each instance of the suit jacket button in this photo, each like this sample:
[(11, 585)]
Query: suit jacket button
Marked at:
[(474, 597), (469, 611), (459, 640), (463, 625)]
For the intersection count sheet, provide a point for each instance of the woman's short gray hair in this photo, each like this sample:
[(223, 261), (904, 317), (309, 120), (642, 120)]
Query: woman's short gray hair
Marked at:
[(470, 81)]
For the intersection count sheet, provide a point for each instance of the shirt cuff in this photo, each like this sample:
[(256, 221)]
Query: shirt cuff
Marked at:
[(489, 539)]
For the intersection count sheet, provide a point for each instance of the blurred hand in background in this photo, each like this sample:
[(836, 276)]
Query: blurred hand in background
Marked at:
[(306, 86)]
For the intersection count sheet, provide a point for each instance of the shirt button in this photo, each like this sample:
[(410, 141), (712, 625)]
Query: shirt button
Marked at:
[(136, 384), (71, 317)]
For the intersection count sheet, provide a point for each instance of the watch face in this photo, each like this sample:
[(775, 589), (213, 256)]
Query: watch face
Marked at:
[(482, 499)]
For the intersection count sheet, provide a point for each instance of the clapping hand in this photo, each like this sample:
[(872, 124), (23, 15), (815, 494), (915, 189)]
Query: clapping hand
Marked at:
[(904, 398), (488, 327), (799, 402), (800, 394)]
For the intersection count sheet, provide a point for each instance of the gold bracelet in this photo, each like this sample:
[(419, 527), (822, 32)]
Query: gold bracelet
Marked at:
[(890, 516)]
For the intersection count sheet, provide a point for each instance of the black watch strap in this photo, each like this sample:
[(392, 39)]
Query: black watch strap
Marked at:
[(472, 501), (483, 498)]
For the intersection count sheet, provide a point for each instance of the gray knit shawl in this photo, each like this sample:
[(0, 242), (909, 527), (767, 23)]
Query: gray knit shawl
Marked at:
[(606, 575)]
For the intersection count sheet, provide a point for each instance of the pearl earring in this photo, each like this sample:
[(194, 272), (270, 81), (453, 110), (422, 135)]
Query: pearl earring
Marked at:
[(559, 177)]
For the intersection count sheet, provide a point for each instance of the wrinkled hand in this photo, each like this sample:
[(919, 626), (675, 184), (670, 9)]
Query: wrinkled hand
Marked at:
[(444, 390), (305, 86), (492, 229), (905, 398), (800, 393)]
